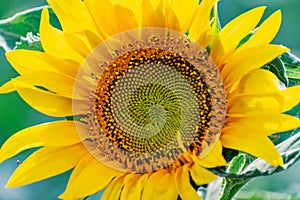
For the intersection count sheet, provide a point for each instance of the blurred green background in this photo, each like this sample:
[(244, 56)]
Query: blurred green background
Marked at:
[(16, 115)]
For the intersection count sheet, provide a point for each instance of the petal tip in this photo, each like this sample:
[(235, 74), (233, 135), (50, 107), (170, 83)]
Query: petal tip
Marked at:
[(45, 12), (278, 13), (258, 10), (281, 162), (11, 183), (261, 8)]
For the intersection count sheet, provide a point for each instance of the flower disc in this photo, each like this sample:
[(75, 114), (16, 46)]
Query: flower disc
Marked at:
[(153, 94)]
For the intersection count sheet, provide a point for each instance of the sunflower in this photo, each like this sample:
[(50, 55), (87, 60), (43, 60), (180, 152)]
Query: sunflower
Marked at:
[(151, 94)]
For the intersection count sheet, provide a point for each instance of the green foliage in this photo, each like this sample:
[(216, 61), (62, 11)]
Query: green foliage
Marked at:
[(31, 42), (17, 27), (292, 65)]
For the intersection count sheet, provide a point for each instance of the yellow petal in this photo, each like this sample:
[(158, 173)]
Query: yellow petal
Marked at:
[(266, 31), (250, 104), (81, 182), (25, 61), (102, 13), (151, 183), (136, 7), (172, 22), (244, 61), (48, 134), (87, 39), (114, 189), (46, 162), (213, 159), (116, 185), (200, 28), (55, 82), (73, 15), (46, 102), (230, 36), (258, 81), (183, 185), (264, 102), (171, 192), (182, 14), (266, 124), (160, 185), (133, 189), (201, 175), (125, 17), (147, 13), (152, 14), (59, 43), (291, 97), (252, 142), (159, 18)]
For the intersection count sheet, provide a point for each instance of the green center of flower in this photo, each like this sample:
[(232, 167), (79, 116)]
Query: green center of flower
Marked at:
[(154, 96), (152, 99)]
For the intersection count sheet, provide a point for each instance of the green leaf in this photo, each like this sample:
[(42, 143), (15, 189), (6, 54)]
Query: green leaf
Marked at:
[(228, 187), (224, 188), (292, 65), (16, 27), (31, 42), (239, 163)]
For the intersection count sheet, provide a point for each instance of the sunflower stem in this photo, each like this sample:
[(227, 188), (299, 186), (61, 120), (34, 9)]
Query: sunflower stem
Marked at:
[(231, 186)]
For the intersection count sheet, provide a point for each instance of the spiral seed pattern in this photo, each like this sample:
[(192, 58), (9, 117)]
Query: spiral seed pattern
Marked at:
[(154, 95)]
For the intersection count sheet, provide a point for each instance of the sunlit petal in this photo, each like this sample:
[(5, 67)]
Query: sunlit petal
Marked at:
[(47, 134), (46, 162)]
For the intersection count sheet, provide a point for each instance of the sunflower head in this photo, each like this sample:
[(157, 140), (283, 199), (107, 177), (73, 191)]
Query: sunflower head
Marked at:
[(156, 95), (153, 94)]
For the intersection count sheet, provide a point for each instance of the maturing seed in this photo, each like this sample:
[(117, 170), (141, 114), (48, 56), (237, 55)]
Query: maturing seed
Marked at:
[(154, 107), (152, 102)]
